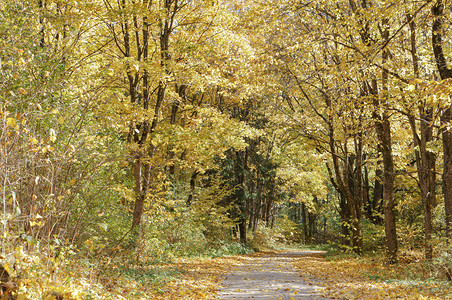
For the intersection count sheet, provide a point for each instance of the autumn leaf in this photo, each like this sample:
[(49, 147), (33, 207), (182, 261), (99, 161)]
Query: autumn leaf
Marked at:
[(11, 122)]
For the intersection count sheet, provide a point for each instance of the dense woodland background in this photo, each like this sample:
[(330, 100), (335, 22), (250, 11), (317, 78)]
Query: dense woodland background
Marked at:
[(137, 131)]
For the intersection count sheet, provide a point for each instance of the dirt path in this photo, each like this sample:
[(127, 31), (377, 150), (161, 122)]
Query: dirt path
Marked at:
[(270, 276)]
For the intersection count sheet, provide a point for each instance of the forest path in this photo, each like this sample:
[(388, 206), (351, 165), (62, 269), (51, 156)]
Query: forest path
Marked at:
[(270, 275)]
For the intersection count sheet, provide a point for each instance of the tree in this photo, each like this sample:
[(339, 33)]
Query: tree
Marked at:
[(446, 117), (425, 159)]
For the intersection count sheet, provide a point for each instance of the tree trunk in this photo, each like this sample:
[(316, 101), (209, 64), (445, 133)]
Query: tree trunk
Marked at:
[(344, 185), (42, 29), (305, 223), (258, 205), (240, 195), (359, 193), (447, 172), (366, 199), (311, 227), (425, 164), (384, 134), (425, 160), (383, 128), (388, 192), (251, 204), (192, 187), (446, 117), (268, 210), (377, 202), (242, 231), (144, 128), (181, 91)]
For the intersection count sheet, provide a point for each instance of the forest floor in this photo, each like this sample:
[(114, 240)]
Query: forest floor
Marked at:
[(299, 274), (288, 274)]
